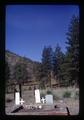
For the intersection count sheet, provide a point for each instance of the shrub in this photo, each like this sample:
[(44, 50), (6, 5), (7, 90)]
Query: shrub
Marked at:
[(42, 86), (42, 95), (67, 94), (77, 95), (49, 92), (30, 88), (9, 100), (55, 97)]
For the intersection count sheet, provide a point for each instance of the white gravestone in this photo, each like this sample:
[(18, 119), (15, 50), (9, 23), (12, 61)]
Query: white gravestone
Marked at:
[(49, 99), (43, 100), (37, 96), (17, 98), (22, 101)]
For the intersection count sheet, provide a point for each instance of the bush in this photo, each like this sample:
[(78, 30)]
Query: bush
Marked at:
[(30, 88), (42, 95), (55, 97), (49, 92), (67, 94), (77, 95), (42, 86), (8, 100)]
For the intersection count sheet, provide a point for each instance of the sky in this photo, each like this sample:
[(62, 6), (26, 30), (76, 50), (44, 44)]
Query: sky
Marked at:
[(31, 27)]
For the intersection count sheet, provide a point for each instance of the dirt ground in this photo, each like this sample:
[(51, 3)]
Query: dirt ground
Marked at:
[(28, 96)]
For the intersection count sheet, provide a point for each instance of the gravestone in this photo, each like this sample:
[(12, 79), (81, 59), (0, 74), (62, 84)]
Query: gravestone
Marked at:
[(22, 101), (37, 96), (43, 100), (17, 98), (49, 99)]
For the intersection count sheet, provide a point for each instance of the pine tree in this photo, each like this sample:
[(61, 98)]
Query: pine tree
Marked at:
[(65, 70), (20, 74), (47, 63), (73, 49), (58, 59)]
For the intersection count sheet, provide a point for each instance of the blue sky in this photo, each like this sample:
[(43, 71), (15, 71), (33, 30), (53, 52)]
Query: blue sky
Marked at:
[(31, 27)]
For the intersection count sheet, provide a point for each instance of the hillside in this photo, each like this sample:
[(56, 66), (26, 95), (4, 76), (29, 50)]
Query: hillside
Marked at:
[(13, 58)]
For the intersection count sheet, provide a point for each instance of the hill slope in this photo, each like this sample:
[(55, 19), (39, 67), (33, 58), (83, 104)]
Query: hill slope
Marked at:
[(13, 58)]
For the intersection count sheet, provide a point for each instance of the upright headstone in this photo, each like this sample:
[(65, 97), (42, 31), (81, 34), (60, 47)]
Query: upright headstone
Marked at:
[(43, 100), (22, 101), (49, 99), (37, 96), (17, 98)]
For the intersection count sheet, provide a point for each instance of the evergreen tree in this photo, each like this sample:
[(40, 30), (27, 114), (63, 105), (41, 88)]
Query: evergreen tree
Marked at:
[(58, 59), (65, 70), (20, 74), (47, 63), (73, 50)]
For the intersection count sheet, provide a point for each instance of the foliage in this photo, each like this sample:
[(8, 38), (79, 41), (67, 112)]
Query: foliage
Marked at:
[(47, 59), (7, 71), (64, 67), (44, 69), (67, 94), (55, 97), (49, 92), (65, 71), (30, 88), (8, 100), (20, 73), (12, 59), (77, 95), (40, 75), (72, 55), (58, 59), (68, 71), (42, 95)]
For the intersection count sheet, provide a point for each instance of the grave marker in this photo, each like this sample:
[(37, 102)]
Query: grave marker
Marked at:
[(37, 96), (43, 100), (17, 98), (49, 99)]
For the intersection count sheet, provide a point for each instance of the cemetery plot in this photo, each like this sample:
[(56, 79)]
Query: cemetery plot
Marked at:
[(40, 110), (48, 104)]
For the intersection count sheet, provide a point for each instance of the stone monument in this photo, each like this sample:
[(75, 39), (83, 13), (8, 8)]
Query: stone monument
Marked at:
[(49, 99), (17, 98), (37, 96)]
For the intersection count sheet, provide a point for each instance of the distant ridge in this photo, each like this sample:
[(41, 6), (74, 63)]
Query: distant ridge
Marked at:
[(13, 58)]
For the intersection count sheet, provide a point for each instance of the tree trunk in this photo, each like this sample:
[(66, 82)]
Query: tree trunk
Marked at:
[(20, 88)]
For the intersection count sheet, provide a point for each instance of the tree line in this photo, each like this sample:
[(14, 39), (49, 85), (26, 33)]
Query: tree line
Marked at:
[(63, 66)]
